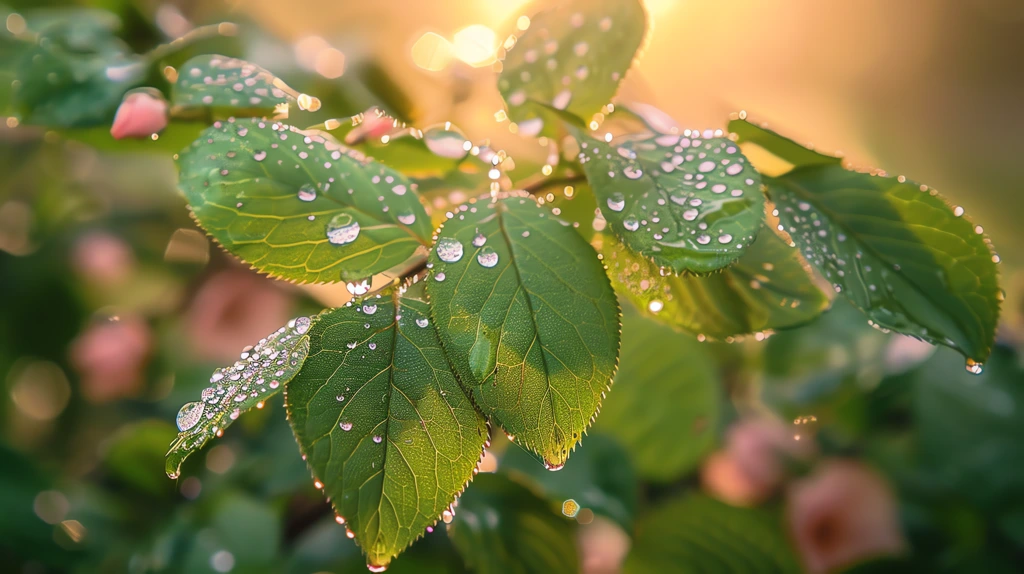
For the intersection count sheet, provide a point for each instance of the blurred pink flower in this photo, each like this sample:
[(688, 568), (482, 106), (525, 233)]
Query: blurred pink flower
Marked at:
[(842, 514), (234, 309), (103, 258), (140, 115), (603, 546), (375, 125), (110, 358), (753, 464)]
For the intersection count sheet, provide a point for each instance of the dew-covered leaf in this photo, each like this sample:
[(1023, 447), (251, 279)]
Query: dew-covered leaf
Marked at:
[(382, 421), (297, 205), (571, 58), (74, 80), (665, 404), (261, 373), (689, 204), (528, 318), (770, 287), (222, 82), (502, 526), (898, 251), (695, 534), (598, 477)]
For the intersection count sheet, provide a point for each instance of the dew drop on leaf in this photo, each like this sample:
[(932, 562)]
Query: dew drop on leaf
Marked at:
[(487, 257), (189, 415), (307, 192), (342, 229), (449, 250), (616, 202)]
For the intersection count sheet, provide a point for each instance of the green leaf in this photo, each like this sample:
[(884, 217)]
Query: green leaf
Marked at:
[(665, 404), (598, 477), (905, 258), (571, 58), (696, 534), (382, 421), (295, 204), (215, 81), (686, 203), (68, 80), (261, 373), (780, 146), (768, 288), (528, 318), (502, 527)]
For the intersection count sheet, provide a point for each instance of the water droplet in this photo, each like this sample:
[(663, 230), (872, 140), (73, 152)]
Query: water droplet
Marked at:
[(958, 211), (446, 140), (422, 322), (439, 277), (724, 238), (302, 325), (342, 229), (706, 166), (690, 214), (630, 223), (399, 190), (570, 508), (632, 172), (734, 169), (703, 239), (448, 249), (307, 193), (561, 100), (407, 218), (369, 309), (616, 202), (345, 426), (189, 415), (973, 367), (358, 287), (259, 156), (479, 240), (487, 257), (655, 306), (377, 438)]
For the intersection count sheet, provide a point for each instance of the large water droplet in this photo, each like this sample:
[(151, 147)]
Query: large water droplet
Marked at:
[(616, 202), (487, 257), (342, 229), (447, 141), (690, 214), (307, 192), (630, 223), (449, 249), (189, 415)]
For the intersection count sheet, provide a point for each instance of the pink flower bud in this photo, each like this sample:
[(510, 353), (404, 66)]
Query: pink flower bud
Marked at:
[(140, 115)]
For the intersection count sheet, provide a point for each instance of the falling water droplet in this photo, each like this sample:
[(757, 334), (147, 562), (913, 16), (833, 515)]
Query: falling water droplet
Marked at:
[(973, 367)]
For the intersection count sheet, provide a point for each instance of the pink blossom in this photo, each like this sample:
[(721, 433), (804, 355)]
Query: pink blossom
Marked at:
[(110, 358), (140, 115), (234, 309), (753, 464), (843, 514), (603, 546), (103, 258)]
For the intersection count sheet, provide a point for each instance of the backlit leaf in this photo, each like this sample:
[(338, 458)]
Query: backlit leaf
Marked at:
[(571, 58), (215, 81), (502, 527), (74, 80), (665, 404), (689, 204), (770, 287), (695, 534), (384, 425), (261, 373), (598, 477), (902, 255), (528, 318), (297, 205), (783, 148)]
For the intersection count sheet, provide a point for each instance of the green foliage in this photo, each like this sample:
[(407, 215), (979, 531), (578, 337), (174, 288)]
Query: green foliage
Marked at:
[(529, 319), (689, 204), (382, 421), (598, 476), (697, 534), (768, 288), (215, 81), (571, 58), (261, 373), (296, 205), (502, 526), (665, 405)]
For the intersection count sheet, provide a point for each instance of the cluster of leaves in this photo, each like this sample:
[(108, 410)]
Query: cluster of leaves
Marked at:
[(506, 315)]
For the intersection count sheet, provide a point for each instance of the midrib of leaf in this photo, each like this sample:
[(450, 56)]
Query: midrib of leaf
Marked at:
[(499, 210), (809, 197)]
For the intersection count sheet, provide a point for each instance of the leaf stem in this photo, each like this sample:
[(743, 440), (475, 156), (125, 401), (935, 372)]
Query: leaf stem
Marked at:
[(201, 33)]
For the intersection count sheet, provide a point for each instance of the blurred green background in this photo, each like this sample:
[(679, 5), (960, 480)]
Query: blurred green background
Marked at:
[(114, 310)]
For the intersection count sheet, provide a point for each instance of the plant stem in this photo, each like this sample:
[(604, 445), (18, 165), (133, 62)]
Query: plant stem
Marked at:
[(201, 33)]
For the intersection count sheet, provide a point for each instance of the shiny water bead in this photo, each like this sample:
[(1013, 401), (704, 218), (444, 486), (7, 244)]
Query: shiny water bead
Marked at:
[(449, 250), (189, 415), (487, 257), (342, 229)]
